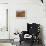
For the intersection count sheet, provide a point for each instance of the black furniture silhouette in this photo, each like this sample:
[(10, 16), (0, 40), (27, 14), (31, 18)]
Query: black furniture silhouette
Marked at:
[(33, 30), (42, 1)]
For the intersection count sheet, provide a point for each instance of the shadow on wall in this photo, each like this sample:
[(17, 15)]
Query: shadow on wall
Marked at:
[(41, 34)]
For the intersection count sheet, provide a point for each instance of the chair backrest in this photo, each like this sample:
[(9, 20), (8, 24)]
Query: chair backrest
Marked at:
[(33, 28)]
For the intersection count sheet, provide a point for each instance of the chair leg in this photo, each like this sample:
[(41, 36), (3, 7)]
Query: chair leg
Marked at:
[(20, 42), (32, 42)]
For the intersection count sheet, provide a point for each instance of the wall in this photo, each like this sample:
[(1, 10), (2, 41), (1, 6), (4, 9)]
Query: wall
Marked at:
[(3, 1), (35, 12)]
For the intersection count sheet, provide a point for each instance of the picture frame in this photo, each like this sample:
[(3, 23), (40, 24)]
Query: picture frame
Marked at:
[(20, 13)]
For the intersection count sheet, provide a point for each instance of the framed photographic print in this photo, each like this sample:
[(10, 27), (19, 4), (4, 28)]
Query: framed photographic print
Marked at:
[(20, 13)]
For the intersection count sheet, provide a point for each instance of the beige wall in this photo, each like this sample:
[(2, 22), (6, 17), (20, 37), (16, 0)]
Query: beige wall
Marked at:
[(3, 1), (35, 12)]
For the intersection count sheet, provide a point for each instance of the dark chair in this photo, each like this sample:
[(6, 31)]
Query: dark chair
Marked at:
[(32, 29)]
